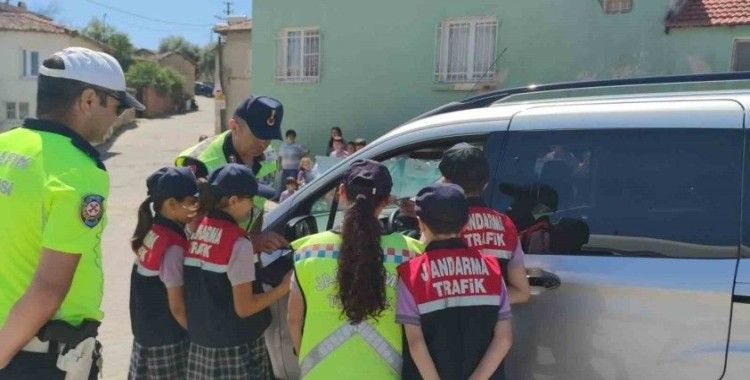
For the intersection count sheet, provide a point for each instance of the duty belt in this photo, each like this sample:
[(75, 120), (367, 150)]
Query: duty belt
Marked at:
[(344, 333)]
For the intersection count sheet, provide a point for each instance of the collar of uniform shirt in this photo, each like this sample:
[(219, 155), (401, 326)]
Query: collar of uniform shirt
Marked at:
[(230, 151), (451, 243), (162, 221), (64, 130)]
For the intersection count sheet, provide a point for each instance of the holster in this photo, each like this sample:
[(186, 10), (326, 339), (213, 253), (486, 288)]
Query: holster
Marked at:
[(81, 350), (64, 333)]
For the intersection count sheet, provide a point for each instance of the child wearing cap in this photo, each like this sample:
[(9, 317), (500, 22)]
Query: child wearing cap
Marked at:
[(488, 230), (343, 291), (291, 188), (157, 307), (226, 306), (452, 299)]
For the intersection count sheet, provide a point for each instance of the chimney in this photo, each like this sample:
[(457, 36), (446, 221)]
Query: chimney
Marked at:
[(22, 4)]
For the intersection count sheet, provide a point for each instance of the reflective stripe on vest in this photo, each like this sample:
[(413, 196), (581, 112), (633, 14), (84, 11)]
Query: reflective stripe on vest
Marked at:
[(333, 341)]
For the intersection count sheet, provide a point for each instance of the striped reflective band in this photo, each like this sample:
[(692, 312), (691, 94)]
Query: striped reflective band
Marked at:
[(143, 271), (499, 253), (445, 303), (344, 333), (330, 251), (211, 267)]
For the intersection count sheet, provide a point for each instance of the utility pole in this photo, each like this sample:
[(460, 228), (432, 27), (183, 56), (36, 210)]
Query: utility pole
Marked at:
[(229, 4), (104, 26)]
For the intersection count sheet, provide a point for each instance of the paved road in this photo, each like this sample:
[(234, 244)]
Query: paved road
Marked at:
[(133, 155)]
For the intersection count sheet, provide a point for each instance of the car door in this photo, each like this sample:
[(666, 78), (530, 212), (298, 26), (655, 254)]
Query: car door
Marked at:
[(630, 217)]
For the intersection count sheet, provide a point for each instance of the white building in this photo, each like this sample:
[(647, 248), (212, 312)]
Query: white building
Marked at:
[(26, 39)]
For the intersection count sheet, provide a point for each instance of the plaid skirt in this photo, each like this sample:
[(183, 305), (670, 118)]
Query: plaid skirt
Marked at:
[(248, 361), (159, 362)]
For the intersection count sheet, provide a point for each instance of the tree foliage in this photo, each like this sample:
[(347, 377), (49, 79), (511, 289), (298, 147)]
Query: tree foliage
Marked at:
[(180, 45), (206, 63), (165, 80), (108, 35)]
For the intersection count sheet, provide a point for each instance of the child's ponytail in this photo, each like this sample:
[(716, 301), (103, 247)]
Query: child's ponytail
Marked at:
[(145, 221)]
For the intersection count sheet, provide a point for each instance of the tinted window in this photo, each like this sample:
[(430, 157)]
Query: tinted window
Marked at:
[(669, 192)]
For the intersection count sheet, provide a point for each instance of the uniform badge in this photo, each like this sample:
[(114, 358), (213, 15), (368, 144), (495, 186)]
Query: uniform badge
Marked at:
[(271, 119), (92, 209)]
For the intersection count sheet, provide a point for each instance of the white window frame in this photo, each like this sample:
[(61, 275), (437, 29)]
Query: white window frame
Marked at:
[(28, 69), (735, 42), (443, 53), (16, 109), (306, 74), (623, 6)]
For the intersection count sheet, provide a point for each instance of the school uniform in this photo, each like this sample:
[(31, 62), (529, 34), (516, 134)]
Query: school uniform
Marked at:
[(160, 344), (452, 285), (223, 345), (454, 293)]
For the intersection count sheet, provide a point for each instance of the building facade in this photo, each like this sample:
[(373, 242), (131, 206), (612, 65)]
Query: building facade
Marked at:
[(26, 40), (236, 59), (367, 67)]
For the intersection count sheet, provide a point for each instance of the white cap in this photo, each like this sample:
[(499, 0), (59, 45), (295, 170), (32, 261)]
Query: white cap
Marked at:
[(95, 68)]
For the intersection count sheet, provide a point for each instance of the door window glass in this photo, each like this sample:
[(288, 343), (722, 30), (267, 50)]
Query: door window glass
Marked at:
[(666, 192), (411, 171)]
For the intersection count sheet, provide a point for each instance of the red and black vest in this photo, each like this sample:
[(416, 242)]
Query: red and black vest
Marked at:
[(151, 320), (490, 231), (458, 293), (212, 320)]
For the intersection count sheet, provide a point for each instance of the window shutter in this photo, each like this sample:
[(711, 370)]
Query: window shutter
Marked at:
[(23, 68)]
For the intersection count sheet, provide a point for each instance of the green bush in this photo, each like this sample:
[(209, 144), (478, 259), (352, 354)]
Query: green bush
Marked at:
[(165, 80)]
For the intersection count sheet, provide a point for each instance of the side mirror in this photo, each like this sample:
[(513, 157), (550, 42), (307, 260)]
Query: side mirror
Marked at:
[(300, 226)]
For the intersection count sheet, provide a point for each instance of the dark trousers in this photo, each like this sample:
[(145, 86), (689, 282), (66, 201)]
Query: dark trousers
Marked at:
[(37, 366)]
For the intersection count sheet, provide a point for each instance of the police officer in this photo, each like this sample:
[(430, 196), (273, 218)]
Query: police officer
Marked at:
[(53, 197), (343, 291), (256, 121)]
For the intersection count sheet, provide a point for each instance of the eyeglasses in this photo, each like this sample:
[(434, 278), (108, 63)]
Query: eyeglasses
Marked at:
[(121, 107)]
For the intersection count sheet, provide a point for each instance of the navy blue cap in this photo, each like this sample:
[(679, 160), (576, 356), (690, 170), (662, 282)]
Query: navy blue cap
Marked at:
[(233, 179), (263, 115), (443, 204), (464, 162), (169, 182), (368, 178)]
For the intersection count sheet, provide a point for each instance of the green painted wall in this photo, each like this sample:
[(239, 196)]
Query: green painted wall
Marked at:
[(377, 57)]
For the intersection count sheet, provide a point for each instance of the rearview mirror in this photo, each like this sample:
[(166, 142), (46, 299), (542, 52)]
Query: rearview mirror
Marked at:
[(300, 226)]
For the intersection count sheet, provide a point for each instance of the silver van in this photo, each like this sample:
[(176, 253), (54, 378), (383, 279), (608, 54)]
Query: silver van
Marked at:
[(641, 267)]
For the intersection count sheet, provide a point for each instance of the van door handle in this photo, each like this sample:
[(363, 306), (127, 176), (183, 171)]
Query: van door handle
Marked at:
[(541, 278)]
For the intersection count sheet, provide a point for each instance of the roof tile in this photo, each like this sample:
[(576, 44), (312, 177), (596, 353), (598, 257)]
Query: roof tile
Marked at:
[(710, 13)]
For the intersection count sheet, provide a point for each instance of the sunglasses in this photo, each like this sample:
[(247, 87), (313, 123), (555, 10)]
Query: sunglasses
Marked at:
[(121, 106)]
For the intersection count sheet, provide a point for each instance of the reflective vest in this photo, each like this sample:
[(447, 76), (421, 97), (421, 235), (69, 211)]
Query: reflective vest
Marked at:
[(332, 347), (208, 155), (150, 317), (492, 232), (212, 319)]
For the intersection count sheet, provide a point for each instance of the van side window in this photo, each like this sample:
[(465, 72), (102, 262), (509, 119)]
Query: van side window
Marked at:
[(636, 192)]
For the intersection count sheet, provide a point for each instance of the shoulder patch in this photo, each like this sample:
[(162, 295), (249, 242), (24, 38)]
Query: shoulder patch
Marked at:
[(92, 209)]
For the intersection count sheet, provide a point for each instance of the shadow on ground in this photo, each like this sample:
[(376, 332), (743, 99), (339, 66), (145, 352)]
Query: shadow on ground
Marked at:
[(104, 148)]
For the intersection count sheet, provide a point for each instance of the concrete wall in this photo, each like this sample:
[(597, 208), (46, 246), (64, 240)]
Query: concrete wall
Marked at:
[(157, 105), (377, 58), (14, 87), (186, 70), (237, 70)]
